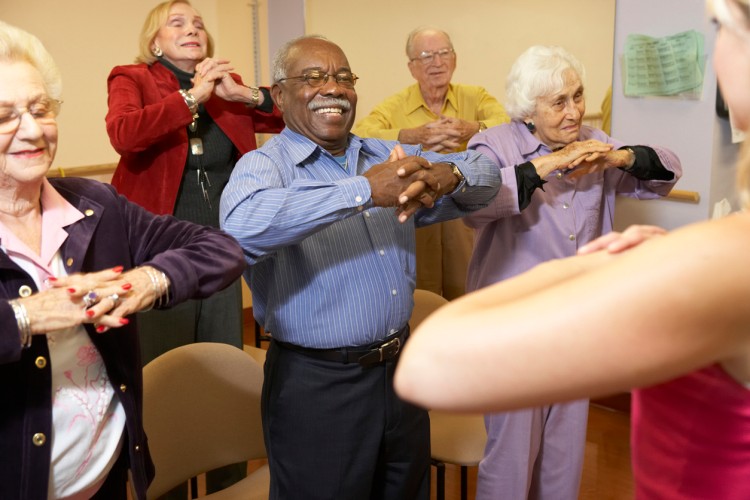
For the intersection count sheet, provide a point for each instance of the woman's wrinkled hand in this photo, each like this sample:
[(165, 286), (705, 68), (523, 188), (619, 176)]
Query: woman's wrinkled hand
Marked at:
[(209, 73), (103, 298), (571, 156)]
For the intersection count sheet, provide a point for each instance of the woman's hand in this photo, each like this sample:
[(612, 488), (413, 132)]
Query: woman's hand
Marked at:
[(615, 242), (208, 74), (599, 162), (104, 298), (570, 156)]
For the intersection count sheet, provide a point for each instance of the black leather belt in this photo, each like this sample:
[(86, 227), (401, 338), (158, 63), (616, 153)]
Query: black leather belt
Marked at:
[(369, 355)]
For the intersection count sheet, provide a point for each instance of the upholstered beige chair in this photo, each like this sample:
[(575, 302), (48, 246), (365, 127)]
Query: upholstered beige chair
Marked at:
[(454, 439), (201, 410)]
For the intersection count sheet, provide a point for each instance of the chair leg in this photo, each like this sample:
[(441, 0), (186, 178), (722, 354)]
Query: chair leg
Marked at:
[(194, 487), (440, 479), (464, 482)]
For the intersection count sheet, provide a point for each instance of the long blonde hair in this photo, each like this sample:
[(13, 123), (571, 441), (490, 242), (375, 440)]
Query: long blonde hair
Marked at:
[(154, 21), (740, 25)]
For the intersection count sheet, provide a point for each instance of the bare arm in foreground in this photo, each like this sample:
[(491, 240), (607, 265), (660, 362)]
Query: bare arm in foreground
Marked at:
[(590, 325)]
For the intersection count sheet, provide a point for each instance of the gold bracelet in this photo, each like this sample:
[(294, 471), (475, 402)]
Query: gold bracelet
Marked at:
[(254, 96)]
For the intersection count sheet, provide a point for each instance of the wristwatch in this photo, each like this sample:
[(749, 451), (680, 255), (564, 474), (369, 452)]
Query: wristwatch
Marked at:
[(457, 172)]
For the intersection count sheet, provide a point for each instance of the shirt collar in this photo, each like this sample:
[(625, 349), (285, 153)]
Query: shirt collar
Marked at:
[(527, 142), (304, 148), (57, 213), (414, 99)]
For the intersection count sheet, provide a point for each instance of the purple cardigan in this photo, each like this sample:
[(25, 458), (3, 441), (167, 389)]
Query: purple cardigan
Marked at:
[(198, 261)]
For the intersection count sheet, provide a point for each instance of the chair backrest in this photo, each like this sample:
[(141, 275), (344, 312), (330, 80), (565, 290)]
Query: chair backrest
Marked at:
[(201, 410), (425, 303)]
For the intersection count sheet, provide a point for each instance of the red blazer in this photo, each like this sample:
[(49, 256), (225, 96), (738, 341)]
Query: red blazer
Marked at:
[(147, 121)]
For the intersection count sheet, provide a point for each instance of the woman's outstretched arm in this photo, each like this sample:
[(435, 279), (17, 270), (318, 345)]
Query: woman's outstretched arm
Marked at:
[(588, 325)]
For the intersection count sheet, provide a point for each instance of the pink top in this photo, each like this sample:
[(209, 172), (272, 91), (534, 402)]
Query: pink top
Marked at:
[(691, 438)]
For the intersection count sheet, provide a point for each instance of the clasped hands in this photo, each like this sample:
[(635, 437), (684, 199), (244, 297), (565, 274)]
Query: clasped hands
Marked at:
[(103, 298), (409, 183), (583, 157), (212, 76), (443, 135)]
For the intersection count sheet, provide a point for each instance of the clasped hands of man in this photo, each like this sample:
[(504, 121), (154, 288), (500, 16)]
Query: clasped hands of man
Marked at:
[(444, 135), (409, 183)]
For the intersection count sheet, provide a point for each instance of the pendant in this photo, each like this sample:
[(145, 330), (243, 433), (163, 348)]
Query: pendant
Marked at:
[(196, 146)]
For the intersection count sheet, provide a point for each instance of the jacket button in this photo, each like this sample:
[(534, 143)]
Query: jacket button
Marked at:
[(123, 387), (39, 439), (40, 362), (137, 448), (25, 291), (89, 212), (69, 262)]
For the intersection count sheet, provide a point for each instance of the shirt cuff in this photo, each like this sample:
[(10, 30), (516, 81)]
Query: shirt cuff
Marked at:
[(527, 181)]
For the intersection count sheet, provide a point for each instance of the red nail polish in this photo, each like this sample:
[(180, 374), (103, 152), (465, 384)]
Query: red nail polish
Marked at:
[(127, 286), (124, 321), (71, 290), (90, 313), (51, 278), (118, 269), (100, 328)]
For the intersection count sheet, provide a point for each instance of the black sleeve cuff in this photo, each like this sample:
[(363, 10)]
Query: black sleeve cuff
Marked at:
[(267, 106), (647, 165), (527, 180)]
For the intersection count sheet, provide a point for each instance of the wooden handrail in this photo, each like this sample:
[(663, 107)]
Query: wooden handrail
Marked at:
[(681, 195), (83, 171)]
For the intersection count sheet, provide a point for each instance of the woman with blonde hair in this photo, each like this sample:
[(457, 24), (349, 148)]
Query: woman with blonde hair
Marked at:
[(679, 334)]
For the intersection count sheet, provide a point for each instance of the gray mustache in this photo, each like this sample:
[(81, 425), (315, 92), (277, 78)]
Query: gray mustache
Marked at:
[(332, 102)]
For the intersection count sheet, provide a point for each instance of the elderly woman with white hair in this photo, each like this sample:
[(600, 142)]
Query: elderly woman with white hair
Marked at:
[(538, 453), (78, 261)]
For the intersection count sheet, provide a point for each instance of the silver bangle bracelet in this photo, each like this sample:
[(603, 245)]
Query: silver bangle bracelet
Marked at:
[(24, 324), (160, 282)]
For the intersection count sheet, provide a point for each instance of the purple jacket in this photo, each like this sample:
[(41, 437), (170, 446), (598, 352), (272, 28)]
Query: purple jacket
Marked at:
[(198, 261)]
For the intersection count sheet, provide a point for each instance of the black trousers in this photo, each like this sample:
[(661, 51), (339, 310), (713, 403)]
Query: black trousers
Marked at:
[(339, 432)]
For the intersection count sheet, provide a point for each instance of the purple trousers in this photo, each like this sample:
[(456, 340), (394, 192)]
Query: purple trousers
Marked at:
[(534, 453)]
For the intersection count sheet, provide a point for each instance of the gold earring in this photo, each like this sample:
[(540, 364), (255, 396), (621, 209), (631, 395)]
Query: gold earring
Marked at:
[(157, 51)]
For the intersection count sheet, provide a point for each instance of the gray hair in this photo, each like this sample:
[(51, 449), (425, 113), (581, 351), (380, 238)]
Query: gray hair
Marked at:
[(419, 31), (538, 72), (280, 59), (16, 45)]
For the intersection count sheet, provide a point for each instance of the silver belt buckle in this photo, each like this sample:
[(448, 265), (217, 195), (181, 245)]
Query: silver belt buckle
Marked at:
[(390, 348)]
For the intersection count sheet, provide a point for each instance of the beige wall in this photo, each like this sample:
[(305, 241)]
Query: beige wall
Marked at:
[(488, 36)]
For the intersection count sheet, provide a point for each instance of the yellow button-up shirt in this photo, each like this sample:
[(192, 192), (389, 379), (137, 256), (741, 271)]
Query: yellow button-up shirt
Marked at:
[(407, 109)]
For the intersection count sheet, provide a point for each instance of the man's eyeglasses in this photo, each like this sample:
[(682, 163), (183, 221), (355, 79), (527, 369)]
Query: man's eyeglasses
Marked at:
[(428, 56), (44, 111), (317, 79)]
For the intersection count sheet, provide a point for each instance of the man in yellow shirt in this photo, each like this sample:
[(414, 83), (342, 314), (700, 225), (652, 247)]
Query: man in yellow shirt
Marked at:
[(441, 116)]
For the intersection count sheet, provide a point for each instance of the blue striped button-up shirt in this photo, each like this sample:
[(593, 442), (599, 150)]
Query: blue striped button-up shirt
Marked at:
[(326, 267)]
